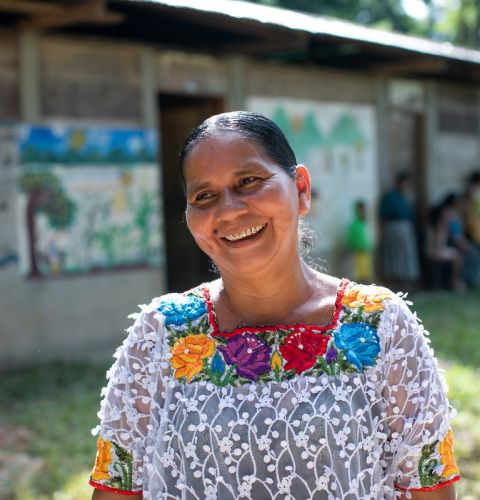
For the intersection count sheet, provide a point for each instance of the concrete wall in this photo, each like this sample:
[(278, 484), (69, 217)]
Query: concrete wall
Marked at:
[(308, 82), (80, 316), (9, 91), (457, 140), (108, 82)]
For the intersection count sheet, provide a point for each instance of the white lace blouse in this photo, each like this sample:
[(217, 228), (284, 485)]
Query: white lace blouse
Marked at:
[(354, 409)]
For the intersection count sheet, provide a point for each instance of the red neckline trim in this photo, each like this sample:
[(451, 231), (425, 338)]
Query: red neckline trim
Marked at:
[(103, 487), (278, 326), (431, 488)]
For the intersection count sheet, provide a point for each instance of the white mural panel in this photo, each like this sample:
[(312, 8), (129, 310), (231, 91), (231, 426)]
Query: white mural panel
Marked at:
[(88, 200), (8, 173), (337, 142)]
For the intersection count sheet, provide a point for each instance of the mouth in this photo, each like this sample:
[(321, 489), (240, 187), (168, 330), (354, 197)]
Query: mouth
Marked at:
[(246, 233)]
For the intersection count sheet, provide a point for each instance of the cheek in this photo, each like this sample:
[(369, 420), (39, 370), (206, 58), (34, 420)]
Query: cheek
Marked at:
[(200, 228)]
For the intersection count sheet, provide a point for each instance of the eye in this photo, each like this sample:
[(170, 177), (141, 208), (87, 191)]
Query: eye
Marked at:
[(203, 196), (248, 180)]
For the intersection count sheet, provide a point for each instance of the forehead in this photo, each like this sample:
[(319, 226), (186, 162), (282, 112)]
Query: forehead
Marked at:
[(225, 152)]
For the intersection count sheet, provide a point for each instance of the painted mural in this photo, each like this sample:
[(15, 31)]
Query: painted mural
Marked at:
[(89, 199), (8, 170), (337, 142)]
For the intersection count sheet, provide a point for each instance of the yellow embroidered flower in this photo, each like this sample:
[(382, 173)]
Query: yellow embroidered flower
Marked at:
[(446, 453), (188, 354), (370, 298), (102, 460), (276, 362)]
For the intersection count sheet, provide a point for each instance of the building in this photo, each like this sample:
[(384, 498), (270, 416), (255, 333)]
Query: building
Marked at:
[(97, 96)]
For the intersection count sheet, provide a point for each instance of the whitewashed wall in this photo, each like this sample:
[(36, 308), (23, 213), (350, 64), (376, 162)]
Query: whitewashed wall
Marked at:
[(337, 142)]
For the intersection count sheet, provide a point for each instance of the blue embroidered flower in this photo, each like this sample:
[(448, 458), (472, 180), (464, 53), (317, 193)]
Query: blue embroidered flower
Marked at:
[(360, 342), (181, 308), (218, 365)]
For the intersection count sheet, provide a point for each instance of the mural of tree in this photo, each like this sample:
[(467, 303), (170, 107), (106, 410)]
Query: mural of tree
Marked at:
[(302, 132), (45, 194), (347, 132), (143, 212)]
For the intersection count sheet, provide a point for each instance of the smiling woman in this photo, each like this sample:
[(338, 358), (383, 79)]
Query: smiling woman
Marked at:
[(274, 381)]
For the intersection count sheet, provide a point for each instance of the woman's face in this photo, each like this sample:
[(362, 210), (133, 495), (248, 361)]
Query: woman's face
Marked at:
[(242, 208)]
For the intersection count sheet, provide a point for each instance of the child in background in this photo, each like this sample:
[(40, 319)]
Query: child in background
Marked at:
[(359, 243)]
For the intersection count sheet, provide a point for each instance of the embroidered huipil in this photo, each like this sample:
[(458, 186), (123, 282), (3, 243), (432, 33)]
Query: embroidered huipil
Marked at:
[(354, 409)]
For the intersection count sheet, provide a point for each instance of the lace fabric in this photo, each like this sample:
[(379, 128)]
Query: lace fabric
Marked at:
[(193, 415)]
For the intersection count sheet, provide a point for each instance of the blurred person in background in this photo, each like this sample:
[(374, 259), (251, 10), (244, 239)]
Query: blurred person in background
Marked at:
[(399, 254), (454, 212), (446, 262), (275, 380), (472, 208), (359, 243)]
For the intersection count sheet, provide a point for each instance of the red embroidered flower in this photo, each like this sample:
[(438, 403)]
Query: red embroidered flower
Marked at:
[(301, 348)]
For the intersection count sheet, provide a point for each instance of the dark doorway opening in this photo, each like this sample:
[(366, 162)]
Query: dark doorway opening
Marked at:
[(187, 266)]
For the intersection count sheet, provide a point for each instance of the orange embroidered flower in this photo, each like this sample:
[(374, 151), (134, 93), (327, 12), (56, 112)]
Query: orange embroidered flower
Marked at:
[(446, 453), (102, 460), (188, 354), (370, 298)]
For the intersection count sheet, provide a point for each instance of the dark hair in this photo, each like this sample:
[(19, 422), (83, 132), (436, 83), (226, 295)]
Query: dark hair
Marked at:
[(474, 177), (435, 214), (250, 125), (450, 200), (402, 176)]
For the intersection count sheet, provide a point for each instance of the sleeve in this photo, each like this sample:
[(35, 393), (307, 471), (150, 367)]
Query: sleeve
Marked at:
[(127, 407), (418, 414)]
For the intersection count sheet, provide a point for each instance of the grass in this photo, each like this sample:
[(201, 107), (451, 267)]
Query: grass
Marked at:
[(453, 322), (46, 412), (52, 408)]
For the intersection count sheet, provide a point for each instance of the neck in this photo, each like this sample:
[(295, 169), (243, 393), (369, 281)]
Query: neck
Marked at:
[(267, 296)]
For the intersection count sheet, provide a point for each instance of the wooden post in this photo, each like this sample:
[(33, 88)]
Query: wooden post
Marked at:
[(431, 133), (237, 98), (382, 114), (149, 88), (30, 109)]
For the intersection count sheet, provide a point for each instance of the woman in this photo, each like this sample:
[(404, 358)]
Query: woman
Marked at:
[(274, 381), (399, 242)]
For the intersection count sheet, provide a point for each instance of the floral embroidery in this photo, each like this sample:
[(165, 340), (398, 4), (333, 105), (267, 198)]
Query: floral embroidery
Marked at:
[(437, 464), (249, 353), (446, 454), (199, 352), (331, 355), (301, 349), (113, 466), (188, 354), (102, 461), (276, 362), (360, 343), (182, 309), (369, 298)]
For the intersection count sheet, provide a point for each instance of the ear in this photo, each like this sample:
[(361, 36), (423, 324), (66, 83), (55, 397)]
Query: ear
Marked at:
[(302, 182)]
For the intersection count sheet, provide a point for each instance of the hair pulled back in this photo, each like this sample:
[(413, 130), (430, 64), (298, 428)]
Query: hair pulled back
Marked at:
[(249, 125)]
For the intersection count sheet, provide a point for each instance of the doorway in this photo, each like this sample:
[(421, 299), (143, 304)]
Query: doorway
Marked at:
[(186, 265)]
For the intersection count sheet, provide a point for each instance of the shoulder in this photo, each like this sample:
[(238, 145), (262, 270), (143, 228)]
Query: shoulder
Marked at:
[(178, 309), (381, 309), (367, 298), (163, 312)]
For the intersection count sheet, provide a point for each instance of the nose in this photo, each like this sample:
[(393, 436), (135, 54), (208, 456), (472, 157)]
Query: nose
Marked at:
[(230, 206)]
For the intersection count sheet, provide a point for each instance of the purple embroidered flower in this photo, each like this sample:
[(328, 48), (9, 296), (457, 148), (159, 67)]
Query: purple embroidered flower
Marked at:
[(331, 355), (250, 353)]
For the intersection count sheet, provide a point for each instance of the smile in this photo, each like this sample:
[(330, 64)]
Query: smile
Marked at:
[(245, 234)]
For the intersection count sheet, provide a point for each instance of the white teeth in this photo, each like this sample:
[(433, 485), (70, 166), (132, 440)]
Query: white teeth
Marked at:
[(244, 234)]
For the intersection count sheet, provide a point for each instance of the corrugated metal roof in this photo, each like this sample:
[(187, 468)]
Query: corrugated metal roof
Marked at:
[(319, 25)]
